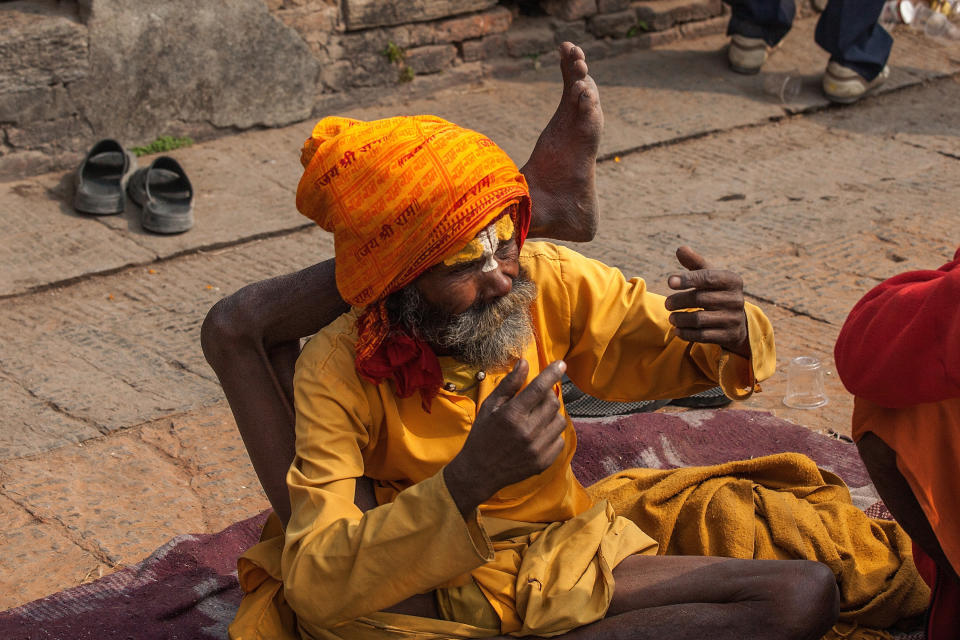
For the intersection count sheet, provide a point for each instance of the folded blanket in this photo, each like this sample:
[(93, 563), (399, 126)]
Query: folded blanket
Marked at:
[(796, 511)]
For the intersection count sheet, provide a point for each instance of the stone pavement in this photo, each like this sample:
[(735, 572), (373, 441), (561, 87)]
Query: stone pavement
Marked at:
[(114, 436)]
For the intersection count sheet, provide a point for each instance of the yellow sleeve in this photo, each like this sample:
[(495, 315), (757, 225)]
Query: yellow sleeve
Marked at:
[(340, 563), (616, 336)]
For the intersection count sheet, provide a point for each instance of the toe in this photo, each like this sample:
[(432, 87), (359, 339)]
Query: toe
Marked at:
[(578, 70), (566, 62)]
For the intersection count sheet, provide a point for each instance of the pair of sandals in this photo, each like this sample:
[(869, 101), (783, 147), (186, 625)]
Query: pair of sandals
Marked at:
[(163, 191)]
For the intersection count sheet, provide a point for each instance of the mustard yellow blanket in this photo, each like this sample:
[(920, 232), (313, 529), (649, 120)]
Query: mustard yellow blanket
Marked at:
[(778, 507)]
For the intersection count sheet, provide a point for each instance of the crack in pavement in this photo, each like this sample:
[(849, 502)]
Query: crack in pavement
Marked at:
[(187, 470), (70, 533), (793, 310), (131, 266), (53, 405)]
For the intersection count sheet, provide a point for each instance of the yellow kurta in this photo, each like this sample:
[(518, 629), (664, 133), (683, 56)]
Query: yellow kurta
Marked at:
[(341, 566)]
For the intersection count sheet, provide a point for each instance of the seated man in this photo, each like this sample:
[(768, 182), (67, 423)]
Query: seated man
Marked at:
[(441, 385), (899, 354), (478, 526), (252, 338)]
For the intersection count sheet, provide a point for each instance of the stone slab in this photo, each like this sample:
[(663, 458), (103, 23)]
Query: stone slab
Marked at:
[(186, 474), (244, 186), (657, 15), (570, 9), (38, 560), (207, 445), (138, 87), (85, 501), (364, 14), (41, 44), (31, 425), (43, 240), (119, 351), (925, 118)]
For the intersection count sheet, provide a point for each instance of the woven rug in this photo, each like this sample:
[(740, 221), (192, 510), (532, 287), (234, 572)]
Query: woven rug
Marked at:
[(187, 589)]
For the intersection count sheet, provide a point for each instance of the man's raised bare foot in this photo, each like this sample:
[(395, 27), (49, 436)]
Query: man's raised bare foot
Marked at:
[(561, 170)]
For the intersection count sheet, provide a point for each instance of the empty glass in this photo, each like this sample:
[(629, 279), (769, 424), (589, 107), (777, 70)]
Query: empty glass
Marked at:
[(782, 86), (805, 384)]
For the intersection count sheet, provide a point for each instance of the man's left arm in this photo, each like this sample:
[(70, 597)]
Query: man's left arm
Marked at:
[(709, 311), (620, 341)]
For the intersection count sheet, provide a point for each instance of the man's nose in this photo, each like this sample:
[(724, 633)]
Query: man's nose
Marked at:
[(496, 284)]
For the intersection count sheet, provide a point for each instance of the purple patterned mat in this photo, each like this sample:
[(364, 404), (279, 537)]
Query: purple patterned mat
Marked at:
[(187, 589)]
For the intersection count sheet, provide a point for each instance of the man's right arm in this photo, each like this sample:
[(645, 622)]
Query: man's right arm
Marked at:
[(340, 563), (900, 345)]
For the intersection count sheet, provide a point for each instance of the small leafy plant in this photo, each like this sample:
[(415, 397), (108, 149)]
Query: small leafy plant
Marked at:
[(637, 28), (161, 144), (394, 53)]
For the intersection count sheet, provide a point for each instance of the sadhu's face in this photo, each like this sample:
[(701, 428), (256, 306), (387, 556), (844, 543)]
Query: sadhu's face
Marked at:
[(455, 288)]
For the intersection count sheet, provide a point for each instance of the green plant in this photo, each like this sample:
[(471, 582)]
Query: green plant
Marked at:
[(394, 53), (163, 143), (406, 74), (637, 28)]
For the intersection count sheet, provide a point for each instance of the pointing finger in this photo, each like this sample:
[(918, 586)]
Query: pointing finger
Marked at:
[(534, 392), (508, 387)]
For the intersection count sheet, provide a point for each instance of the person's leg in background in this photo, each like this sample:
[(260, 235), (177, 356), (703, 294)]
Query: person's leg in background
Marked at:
[(858, 48), (754, 26)]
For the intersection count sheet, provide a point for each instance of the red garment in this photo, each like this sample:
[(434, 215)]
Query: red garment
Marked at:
[(900, 345), (899, 353)]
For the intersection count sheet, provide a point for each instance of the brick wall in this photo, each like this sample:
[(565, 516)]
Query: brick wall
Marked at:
[(72, 72), (366, 43)]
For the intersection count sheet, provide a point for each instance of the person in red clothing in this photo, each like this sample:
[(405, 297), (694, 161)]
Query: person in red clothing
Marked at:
[(899, 355)]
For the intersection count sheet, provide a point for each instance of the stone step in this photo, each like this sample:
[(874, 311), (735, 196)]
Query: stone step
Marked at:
[(43, 48), (660, 15)]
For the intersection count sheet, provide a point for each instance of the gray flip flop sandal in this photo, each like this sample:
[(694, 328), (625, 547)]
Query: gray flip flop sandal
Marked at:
[(580, 405), (165, 194), (101, 178)]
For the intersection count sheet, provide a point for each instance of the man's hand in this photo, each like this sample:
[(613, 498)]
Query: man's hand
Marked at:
[(515, 436), (719, 295)]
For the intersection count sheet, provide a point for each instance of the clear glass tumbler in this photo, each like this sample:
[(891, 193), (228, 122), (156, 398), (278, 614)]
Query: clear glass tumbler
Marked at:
[(805, 384)]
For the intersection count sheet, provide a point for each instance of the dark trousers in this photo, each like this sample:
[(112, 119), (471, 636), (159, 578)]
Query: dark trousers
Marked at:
[(847, 29)]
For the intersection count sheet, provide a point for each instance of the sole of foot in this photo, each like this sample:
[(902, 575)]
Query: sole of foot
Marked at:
[(561, 170)]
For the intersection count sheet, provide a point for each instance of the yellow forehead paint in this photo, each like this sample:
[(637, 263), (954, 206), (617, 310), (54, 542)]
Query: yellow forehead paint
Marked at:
[(485, 244)]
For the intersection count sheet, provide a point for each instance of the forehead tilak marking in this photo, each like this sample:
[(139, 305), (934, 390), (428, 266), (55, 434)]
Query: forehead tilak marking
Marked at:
[(490, 243)]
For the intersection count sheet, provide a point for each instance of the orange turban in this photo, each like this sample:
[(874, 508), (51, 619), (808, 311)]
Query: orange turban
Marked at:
[(400, 195)]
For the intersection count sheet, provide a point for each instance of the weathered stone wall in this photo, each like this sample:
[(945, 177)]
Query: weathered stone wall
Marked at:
[(72, 72)]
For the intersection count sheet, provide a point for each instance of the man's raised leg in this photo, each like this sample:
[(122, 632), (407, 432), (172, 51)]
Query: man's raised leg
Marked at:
[(251, 340), (561, 170)]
